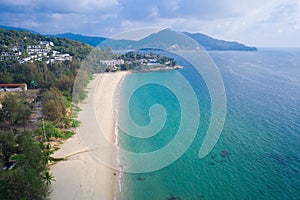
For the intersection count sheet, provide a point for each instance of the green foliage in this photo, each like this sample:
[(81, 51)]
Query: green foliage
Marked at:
[(54, 106), (22, 183), (10, 109), (75, 123), (93, 41), (24, 113), (15, 109), (6, 77), (47, 151), (133, 61), (10, 37), (210, 43), (80, 84), (50, 130), (48, 178), (67, 134), (26, 180), (30, 177), (59, 75), (7, 145), (33, 156)]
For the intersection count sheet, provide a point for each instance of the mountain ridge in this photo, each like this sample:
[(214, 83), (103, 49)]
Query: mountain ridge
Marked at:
[(91, 40), (17, 29), (207, 42), (210, 43)]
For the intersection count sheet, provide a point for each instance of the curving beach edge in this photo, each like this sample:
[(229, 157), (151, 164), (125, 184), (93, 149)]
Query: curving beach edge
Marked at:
[(82, 176)]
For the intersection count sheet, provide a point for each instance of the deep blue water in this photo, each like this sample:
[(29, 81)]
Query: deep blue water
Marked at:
[(260, 140)]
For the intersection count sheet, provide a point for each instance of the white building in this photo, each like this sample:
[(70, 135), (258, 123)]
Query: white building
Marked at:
[(36, 49), (112, 62), (63, 57), (46, 43)]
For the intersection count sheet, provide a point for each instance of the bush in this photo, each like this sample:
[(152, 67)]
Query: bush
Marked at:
[(75, 123), (50, 130), (67, 134)]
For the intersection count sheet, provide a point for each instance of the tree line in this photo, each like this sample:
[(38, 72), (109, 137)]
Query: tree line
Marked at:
[(28, 150)]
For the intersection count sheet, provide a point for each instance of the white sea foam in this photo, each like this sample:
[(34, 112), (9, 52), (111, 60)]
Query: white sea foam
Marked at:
[(117, 101)]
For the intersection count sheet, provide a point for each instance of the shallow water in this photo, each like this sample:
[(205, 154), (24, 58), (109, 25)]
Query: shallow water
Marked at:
[(257, 155)]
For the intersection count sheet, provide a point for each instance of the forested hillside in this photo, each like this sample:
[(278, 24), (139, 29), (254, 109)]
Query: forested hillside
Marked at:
[(31, 119)]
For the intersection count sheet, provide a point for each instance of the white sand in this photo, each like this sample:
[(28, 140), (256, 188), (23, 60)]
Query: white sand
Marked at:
[(82, 176)]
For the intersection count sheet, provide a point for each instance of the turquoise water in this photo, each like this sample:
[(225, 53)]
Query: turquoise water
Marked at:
[(257, 155)]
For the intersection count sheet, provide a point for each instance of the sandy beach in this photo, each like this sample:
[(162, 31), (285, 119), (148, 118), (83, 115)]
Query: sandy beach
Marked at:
[(82, 175)]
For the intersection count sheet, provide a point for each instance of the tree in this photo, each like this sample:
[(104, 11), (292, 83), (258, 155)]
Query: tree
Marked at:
[(65, 83), (24, 113), (22, 183), (6, 78), (7, 145), (48, 178), (15, 109), (31, 71), (49, 128), (10, 108), (33, 156), (54, 106), (47, 151), (27, 179)]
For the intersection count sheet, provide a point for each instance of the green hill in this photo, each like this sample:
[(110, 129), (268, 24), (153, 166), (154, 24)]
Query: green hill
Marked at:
[(10, 38), (47, 61), (169, 39), (93, 41), (161, 39), (210, 43)]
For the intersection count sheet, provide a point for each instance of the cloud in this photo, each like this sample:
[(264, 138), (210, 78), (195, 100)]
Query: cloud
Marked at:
[(67, 6), (144, 10), (55, 16), (286, 15), (252, 21)]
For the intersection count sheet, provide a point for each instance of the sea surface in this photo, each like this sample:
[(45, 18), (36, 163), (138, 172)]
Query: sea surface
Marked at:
[(258, 153)]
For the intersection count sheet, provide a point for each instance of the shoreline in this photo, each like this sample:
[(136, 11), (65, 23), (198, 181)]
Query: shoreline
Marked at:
[(82, 175), (117, 100), (157, 69)]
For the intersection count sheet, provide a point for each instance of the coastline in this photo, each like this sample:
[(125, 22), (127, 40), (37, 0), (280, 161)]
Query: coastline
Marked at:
[(158, 69), (81, 175)]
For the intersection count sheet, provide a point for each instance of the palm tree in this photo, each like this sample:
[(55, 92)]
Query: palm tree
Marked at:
[(48, 178)]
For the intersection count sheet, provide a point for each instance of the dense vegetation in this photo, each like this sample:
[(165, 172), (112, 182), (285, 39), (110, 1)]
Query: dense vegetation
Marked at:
[(9, 38), (59, 74), (138, 61), (210, 43), (25, 154), (30, 177), (93, 41), (15, 110)]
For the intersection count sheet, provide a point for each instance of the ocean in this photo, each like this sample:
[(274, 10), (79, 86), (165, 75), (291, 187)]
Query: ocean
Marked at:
[(257, 155)]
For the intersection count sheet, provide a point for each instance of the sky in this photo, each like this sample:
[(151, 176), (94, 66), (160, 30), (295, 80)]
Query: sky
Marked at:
[(270, 23)]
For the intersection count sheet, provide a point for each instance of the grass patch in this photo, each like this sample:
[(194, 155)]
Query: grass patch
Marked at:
[(75, 123), (67, 134)]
